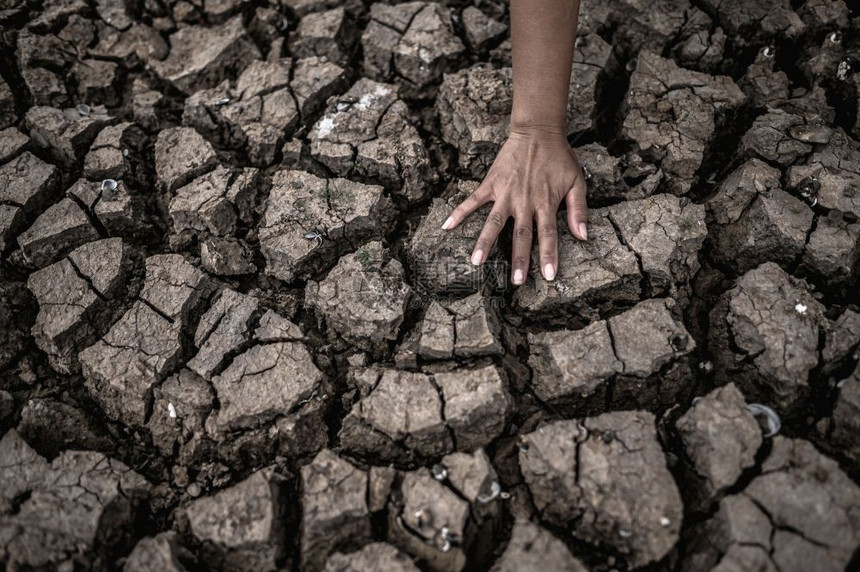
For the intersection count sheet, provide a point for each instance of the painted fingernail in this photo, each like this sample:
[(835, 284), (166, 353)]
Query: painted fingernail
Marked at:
[(447, 223), (582, 231), (518, 276), (549, 271), (477, 256)]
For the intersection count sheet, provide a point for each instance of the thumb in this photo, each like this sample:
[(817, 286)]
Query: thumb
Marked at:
[(577, 209)]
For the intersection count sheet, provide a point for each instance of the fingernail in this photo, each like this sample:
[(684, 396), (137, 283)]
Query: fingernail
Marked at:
[(549, 271), (447, 223), (477, 256), (518, 276), (582, 231)]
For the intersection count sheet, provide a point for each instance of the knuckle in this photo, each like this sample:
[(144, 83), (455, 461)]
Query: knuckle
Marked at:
[(522, 233), (495, 219), (521, 261), (548, 230), (576, 200), (481, 194), (547, 257)]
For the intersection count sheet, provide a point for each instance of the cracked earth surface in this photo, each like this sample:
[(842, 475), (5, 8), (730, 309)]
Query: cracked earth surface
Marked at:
[(233, 335)]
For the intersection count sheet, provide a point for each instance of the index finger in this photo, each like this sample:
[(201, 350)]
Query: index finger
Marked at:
[(470, 204)]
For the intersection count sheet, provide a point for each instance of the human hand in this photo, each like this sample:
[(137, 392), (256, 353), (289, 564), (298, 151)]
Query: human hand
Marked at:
[(534, 171)]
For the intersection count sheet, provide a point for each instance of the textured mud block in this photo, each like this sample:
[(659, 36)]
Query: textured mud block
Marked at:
[(593, 474)]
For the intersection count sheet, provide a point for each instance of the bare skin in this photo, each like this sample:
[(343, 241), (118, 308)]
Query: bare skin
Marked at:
[(536, 168)]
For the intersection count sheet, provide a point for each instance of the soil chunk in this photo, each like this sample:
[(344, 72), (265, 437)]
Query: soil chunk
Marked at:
[(566, 465)]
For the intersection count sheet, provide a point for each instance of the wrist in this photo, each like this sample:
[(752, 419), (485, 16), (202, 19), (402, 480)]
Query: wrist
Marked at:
[(545, 132)]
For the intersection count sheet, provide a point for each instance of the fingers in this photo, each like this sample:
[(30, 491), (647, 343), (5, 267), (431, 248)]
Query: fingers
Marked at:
[(522, 247), (577, 209), (492, 227), (548, 242), (470, 204)]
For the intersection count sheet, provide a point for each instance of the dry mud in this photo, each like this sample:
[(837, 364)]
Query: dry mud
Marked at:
[(233, 335)]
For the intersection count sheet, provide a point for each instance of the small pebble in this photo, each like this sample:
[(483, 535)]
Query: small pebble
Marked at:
[(680, 341), (809, 187), (843, 69), (495, 491), (773, 422), (818, 134), (586, 173)]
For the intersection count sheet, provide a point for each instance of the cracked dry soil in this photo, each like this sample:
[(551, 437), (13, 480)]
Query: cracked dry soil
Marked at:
[(233, 335)]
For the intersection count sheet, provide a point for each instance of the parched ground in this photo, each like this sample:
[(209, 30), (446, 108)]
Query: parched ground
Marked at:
[(233, 335)]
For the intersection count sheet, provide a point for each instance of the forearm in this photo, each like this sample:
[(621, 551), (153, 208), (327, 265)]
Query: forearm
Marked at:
[(543, 33)]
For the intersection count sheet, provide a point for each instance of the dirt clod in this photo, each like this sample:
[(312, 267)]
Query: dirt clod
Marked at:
[(234, 334)]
